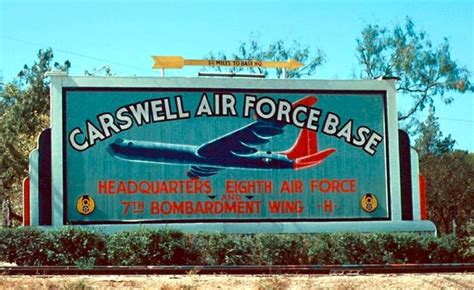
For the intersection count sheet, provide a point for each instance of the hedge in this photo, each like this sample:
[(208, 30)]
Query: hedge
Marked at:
[(86, 248)]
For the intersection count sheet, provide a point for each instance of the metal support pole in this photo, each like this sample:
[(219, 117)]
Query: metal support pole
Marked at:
[(162, 72), (284, 72)]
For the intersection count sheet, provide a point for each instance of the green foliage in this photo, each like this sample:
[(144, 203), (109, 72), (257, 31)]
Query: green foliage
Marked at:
[(450, 189), (168, 247), (275, 51), (85, 248), (466, 244), (282, 249), (147, 247), (407, 248), (354, 249), (449, 177), (24, 113), (23, 246), (225, 249), (66, 246), (324, 249), (374, 249), (430, 139), (129, 247), (444, 249), (425, 71), (73, 246)]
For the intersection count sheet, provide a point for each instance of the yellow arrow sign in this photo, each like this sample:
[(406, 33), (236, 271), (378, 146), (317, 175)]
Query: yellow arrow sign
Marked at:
[(162, 62)]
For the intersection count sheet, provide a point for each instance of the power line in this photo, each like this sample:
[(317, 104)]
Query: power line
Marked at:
[(77, 54), (420, 117), (458, 120), (142, 69)]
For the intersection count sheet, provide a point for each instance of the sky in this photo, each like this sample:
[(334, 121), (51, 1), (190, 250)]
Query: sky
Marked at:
[(124, 35)]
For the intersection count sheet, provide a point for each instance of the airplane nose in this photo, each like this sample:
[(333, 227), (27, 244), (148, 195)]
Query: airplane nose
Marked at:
[(115, 146)]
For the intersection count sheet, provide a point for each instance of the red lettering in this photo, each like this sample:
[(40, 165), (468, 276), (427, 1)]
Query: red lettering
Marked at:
[(328, 206), (166, 207), (144, 187), (155, 207), (206, 207), (248, 186), (102, 187), (285, 206), (126, 205), (292, 186), (121, 188), (173, 188), (153, 186), (132, 187), (333, 185), (111, 186)]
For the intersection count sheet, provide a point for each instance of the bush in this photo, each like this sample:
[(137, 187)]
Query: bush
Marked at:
[(410, 248), (66, 246), (282, 249), (466, 244), (75, 246), (354, 248), (25, 246), (129, 247), (85, 248), (149, 247), (376, 252), (225, 249), (170, 248), (8, 245), (445, 249)]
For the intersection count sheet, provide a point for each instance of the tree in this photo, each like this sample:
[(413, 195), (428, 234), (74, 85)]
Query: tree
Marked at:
[(430, 139), (425, 72), (449, 176), (450, 188), (25, 112), (106, 70), (275, 51)]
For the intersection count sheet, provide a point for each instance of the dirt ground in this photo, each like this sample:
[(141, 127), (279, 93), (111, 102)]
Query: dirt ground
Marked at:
[(195, 281)]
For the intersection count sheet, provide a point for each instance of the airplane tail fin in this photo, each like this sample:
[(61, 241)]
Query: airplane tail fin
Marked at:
[(307, 101), (306, 144), (304, 151)]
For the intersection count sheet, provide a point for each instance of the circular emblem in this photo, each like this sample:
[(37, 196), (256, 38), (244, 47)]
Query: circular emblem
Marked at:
[(85, 204), (369, 202)]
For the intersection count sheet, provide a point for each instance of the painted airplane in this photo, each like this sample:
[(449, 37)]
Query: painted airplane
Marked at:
[(236, 149)]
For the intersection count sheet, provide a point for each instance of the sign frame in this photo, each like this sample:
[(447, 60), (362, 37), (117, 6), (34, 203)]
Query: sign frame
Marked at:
[(60, 83), (386, 142)]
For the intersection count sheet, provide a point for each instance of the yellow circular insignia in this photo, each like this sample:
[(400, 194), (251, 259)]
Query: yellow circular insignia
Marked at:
[(369, 202), (85, 204)]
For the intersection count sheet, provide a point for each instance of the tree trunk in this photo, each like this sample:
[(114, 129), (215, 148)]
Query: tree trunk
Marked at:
[(9, 215)]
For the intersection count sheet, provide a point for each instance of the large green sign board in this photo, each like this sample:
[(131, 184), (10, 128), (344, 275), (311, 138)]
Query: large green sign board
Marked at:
[(224, 155)]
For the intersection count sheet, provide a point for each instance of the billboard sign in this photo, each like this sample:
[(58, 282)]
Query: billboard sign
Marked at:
[(164, 155)]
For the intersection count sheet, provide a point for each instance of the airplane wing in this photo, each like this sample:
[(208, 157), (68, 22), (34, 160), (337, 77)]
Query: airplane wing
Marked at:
[(242, 141), (196, 172), (238, 143)]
